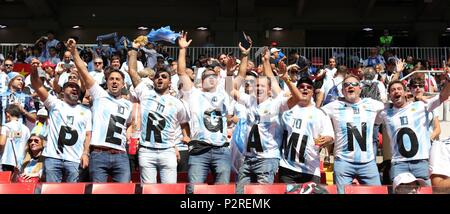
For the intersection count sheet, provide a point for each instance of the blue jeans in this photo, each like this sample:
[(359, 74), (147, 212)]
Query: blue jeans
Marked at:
[(345, 172), (152, 160), (218, 159), (102, 164), (419, 168), (57, 169), (263, 171)]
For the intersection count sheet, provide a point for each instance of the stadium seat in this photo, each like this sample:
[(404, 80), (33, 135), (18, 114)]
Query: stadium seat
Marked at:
[(113, 188), (5, 177), (265, 189), (17, 188), (332, 189), (214, 189), (350, 189), (164, 188), (425, 190), (63, 188)]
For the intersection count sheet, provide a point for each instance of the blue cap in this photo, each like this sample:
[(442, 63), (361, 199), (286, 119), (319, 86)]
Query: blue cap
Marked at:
[(12, 75)]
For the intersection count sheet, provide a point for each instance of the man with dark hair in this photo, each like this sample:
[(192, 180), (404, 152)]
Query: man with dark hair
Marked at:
[(70, 128), (111, 117), (161, 115), (407, 126), (353, 120)]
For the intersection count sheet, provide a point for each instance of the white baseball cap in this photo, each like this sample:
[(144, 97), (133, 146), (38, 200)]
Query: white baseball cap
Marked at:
[(407, 178), (273, 50), (42, 112)]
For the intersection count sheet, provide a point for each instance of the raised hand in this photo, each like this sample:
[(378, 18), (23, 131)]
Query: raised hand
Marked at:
[(71, 45), (266, 54), (282, 70), (182, 41), (140, 41), (400, 65), (244, 51)]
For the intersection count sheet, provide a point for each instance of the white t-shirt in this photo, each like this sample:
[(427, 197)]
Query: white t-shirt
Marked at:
[(17, 136), (264, 132), (302, 125), (110, 119), (408, 130), (440, 158), (69, 122), (356, 120), (161, 115)]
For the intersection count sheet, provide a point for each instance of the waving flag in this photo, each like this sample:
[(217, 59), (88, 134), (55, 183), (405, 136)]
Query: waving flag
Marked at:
[(163, 34), (237, 145), (23, 68)]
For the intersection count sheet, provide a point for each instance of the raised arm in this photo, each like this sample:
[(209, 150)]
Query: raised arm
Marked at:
[(293, 100), (269, 73), (80, 64), (183, 44), (36, 82), (445, 93), (132, 59), (242, 67)]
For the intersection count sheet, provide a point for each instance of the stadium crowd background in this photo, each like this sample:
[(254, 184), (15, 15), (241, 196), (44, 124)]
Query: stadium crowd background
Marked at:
[(39, 83)]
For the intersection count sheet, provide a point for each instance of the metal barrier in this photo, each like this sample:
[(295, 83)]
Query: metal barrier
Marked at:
[(350, 56)]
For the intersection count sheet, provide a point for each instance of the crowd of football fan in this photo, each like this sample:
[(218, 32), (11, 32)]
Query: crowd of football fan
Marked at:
[(75, 115)]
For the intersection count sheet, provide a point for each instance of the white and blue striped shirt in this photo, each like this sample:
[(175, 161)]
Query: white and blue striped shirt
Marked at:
[(408, 129), (353, 125), (161, 115), (111, 117)]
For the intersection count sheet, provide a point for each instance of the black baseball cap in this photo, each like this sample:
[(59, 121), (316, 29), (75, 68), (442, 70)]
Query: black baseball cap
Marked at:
[(306, 80), (69, 83)]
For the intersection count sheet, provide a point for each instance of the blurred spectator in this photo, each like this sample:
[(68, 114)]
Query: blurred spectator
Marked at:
[(33, 163), (374, 59), (40, 127), (13, 138), (386, 41)]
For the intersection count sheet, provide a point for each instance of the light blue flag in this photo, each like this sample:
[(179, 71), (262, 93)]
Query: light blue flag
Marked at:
[(163, 34)]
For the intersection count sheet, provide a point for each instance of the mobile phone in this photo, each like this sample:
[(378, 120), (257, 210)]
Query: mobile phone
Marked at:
[(244, 39), (67, 65)]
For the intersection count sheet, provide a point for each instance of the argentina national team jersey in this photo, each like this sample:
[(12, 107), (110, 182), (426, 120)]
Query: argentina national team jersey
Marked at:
[(353, 126), (67, 129), (407, 128), (161, 116), (17, 135), (110, 119), (25, 100), (301, 126), (208, 112), (264, 133), (179, 144)]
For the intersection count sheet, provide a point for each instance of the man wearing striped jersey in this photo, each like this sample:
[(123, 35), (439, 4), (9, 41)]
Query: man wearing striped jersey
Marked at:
[(353, 120), (263, 130), (111, 118), (209, 107), (306, 129), (407, 125), (15, 95), (13, 140), (161, 115), (70, 127)]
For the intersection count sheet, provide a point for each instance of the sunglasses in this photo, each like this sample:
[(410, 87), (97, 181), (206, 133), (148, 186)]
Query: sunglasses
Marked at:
[(305, 86), (163, 76), (33, 140), (353, 84), (209, 76), (9, 65), (98, 63), (73, 77), (249, 82), (417, 86)]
